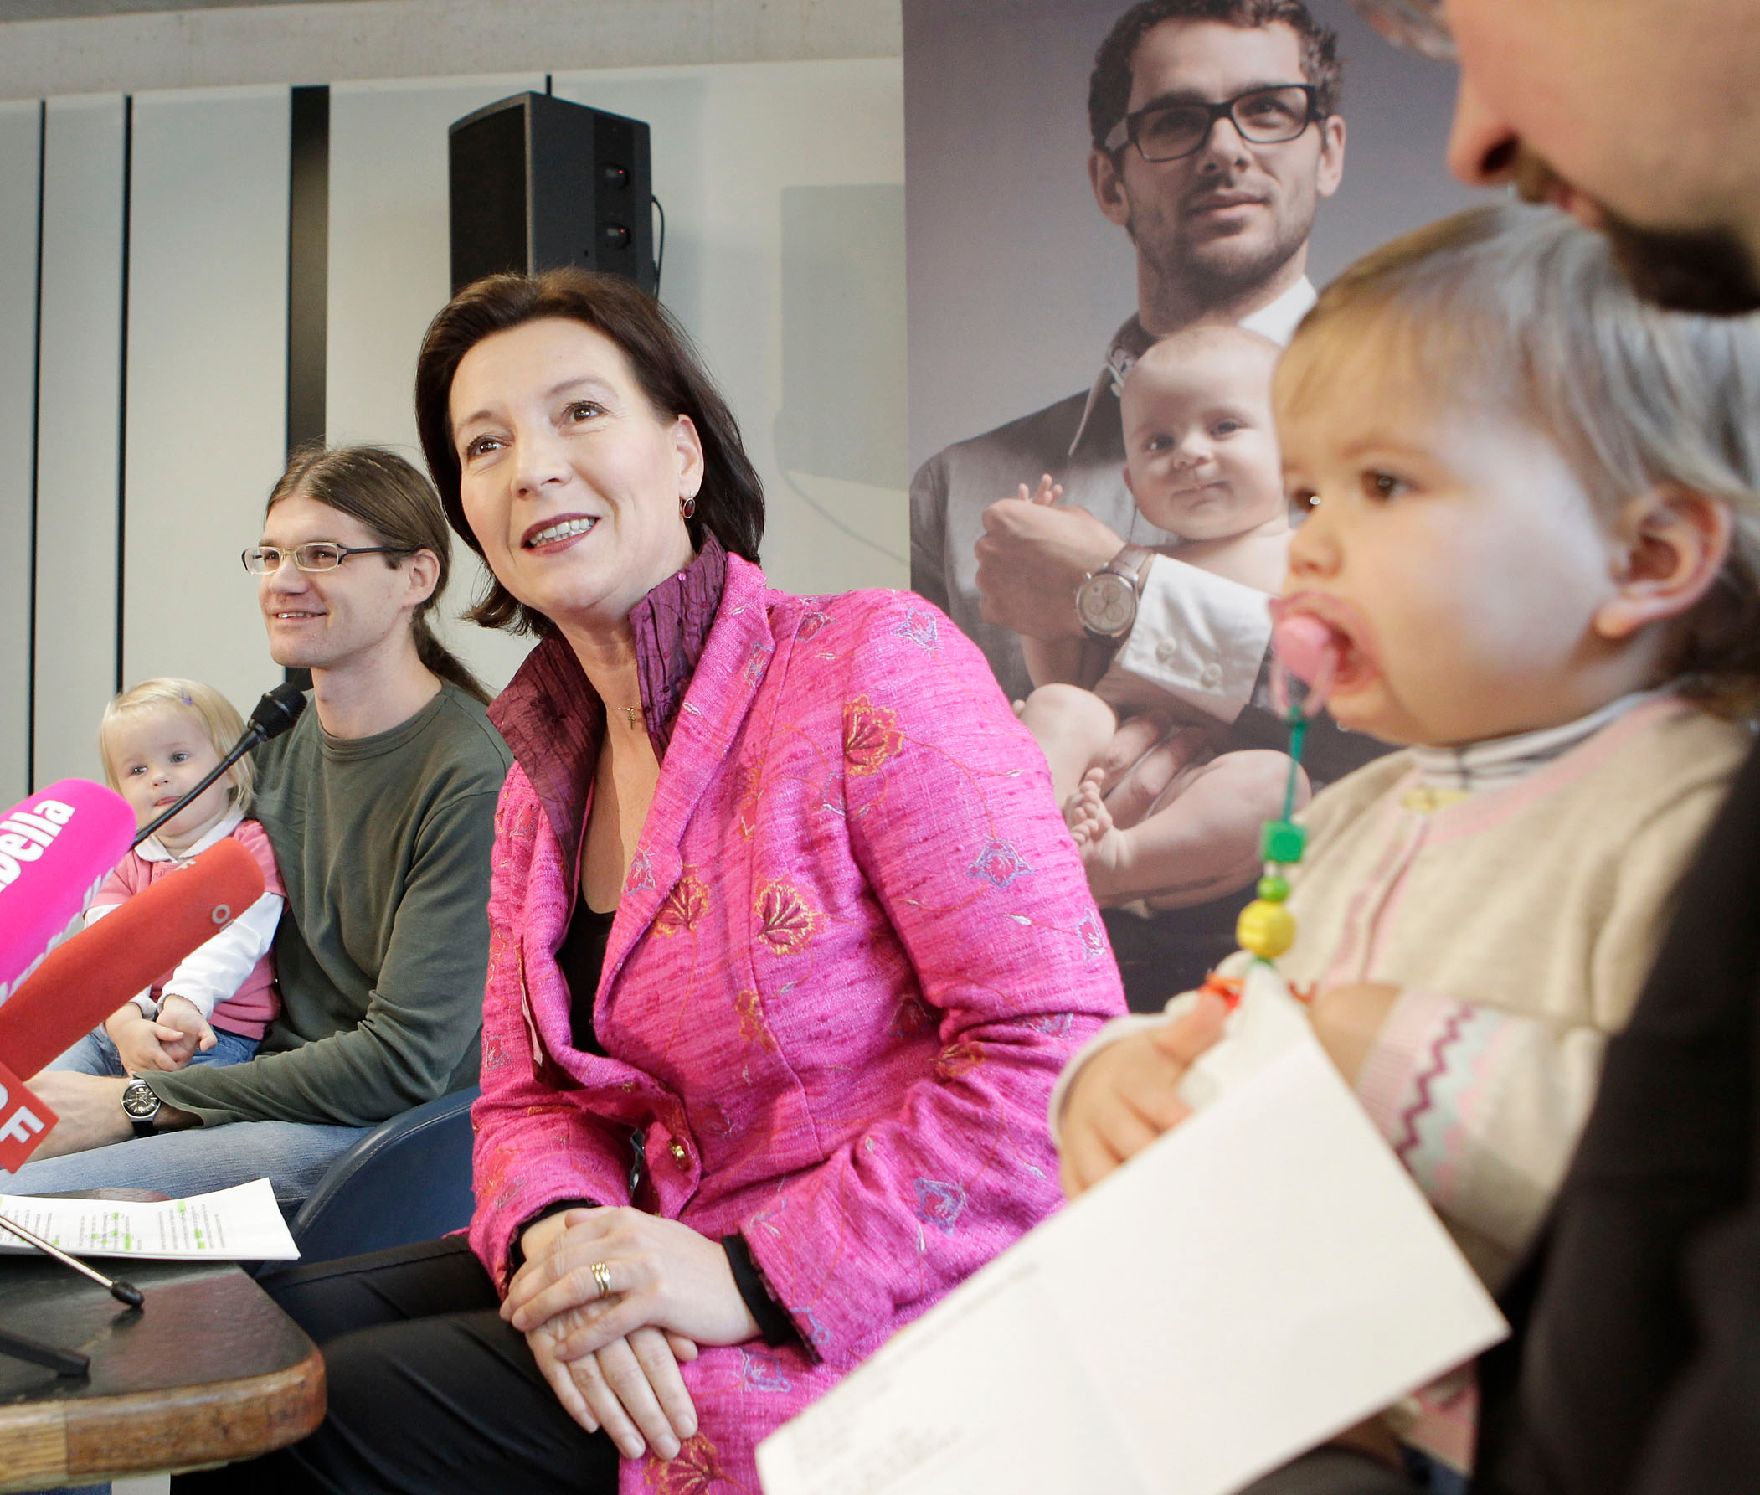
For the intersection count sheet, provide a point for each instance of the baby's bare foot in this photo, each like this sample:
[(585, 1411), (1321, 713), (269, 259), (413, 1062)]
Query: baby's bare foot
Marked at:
[(1105, 847), (1089, 820)]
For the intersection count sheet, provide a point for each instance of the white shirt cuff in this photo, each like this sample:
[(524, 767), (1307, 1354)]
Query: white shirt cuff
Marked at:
[(1198, 638)]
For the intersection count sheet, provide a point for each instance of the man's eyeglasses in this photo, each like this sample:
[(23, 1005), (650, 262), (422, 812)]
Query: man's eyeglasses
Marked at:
[(315, 555), (1417, 25), (1263, 116)]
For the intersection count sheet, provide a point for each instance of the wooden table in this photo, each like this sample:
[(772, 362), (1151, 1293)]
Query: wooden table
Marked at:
[(208, 1370)]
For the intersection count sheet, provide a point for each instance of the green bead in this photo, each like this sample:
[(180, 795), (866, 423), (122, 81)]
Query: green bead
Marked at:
[(1274, 889), (1282, 841)]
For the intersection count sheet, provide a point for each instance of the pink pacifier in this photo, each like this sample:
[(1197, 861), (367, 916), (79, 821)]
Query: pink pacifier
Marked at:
[(1307, 648)]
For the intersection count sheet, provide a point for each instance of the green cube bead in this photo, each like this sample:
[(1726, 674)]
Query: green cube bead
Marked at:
[(1282, 841)]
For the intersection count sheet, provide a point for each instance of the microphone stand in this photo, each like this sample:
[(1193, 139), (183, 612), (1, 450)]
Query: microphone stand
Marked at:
[(278, 710), (35, 1352), (52, 1357)]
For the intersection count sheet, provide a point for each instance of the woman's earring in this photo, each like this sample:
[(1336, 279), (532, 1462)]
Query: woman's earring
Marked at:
[(687, 505)]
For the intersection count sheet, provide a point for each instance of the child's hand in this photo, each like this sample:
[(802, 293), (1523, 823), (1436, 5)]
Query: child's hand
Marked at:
[(1045, 495), (140, 1041), (191, 1033), (1127, 1095)]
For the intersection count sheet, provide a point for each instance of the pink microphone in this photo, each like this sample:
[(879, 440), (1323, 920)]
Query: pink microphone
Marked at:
[(56, 846)]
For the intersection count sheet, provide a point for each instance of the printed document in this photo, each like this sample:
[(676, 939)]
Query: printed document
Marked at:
[(238, 1224)]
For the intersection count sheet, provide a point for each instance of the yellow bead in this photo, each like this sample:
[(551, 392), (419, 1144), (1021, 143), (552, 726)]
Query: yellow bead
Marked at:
[(1265, 929)]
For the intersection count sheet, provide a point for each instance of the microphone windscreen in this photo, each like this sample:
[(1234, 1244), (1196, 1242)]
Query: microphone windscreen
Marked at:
[(93, 974), (56, 847), (278, 710)]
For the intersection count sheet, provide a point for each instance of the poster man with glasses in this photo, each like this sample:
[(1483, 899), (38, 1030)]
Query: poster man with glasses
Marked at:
[(1214, 136)]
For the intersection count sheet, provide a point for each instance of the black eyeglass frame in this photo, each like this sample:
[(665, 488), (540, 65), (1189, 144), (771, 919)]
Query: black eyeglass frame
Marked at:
[(343, 552), (1125, 132)]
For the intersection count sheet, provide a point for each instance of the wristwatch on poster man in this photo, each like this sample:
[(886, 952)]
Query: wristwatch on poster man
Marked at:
[(1106, 601)]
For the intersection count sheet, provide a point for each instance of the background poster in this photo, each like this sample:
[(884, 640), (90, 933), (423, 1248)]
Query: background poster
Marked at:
[(1016, 282)]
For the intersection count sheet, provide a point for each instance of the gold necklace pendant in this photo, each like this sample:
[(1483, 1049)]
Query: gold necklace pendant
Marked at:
[(632, 715)]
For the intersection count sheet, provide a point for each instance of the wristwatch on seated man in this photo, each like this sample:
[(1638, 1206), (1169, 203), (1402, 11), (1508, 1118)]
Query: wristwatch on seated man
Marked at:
[(1106, 601), (140, 1106)]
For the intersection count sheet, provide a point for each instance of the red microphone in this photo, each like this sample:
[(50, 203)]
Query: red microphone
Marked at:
[(86, 979)]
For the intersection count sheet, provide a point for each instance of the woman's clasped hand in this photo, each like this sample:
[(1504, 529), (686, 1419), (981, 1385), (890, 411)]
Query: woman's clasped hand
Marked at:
[(612, 1357), (662, 1274)]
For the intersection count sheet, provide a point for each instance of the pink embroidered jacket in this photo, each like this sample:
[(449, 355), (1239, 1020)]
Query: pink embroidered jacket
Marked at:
[(853, 951)]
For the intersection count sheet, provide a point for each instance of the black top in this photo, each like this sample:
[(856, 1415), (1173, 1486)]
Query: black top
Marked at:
[(582, 960)]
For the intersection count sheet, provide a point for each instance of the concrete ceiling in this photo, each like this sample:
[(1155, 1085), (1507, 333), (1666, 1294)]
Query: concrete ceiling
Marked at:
[(61, 10)]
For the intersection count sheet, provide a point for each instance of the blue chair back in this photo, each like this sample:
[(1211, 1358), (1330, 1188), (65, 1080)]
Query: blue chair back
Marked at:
[(407, 1180)]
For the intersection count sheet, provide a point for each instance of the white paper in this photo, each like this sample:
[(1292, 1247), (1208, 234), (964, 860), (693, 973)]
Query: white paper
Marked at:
[(1260, 1279), (238, 1224), (915, 1429)]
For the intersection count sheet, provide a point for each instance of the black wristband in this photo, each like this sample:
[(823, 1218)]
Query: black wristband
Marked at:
[(773, 1323), (516, 1256)]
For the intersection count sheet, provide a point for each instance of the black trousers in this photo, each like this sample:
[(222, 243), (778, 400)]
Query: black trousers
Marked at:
[(429, 1391)]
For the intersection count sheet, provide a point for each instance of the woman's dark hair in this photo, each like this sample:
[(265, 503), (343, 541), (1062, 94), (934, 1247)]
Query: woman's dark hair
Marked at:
[(398, 504), (730, 504)]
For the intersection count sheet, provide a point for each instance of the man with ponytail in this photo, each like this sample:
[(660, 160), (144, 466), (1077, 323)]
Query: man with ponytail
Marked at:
[(380, 806)]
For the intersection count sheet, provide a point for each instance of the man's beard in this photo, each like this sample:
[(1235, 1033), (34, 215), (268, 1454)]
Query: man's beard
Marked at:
[(1695, 270), (1705, 271), (1219, 271)]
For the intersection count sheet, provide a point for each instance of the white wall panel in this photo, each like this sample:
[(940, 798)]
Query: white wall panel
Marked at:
[(19, 137), (207, 379), (782, 185), (389, 273), (78, 432)]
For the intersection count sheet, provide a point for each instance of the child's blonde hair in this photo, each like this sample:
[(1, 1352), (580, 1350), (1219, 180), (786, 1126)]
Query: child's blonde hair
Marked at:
[(219, 718), (1516, 312)]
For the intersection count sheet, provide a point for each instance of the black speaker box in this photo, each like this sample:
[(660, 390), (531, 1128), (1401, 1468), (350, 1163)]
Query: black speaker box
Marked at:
[(539, 182)]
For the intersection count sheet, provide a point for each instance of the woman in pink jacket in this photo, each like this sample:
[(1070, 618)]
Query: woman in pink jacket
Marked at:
[(788, 944)]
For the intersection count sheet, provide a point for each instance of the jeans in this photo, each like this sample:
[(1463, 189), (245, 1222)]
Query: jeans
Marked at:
[(292, 1155), (96, 1054)]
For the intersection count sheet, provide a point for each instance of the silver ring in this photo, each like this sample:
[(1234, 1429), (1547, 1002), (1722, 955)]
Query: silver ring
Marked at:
[(602, 1278)]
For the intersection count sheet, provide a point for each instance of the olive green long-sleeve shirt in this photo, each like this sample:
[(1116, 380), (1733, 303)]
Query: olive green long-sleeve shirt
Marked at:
[(383, 844)]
